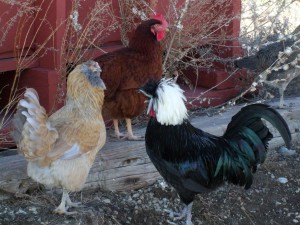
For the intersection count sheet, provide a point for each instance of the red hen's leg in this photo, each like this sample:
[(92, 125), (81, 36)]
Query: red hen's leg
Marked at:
[(117, 131), (129, 134)]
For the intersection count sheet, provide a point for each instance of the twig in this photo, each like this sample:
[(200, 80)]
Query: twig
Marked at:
[(243, 209), (178, 26)]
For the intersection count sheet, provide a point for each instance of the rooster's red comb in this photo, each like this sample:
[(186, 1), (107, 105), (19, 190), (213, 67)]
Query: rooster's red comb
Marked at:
[(161, 18)]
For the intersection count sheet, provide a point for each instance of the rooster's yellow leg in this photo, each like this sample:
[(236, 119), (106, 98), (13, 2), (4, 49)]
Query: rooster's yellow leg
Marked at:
[(129, 134), (61, 209)]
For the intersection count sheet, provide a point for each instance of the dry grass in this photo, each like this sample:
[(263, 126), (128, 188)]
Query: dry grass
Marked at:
[(78, 39)]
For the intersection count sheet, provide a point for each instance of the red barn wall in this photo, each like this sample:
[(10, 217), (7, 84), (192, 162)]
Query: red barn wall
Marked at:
[(40, 71)]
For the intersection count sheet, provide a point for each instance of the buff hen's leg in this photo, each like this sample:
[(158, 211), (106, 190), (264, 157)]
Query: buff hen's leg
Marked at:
[(65, 200), (72, 204), (129, 134)]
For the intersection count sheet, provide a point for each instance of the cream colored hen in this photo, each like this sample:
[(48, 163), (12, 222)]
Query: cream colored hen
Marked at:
[(61, 149)]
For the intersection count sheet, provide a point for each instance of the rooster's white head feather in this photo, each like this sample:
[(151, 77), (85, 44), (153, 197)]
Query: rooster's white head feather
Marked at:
[(166, 101)]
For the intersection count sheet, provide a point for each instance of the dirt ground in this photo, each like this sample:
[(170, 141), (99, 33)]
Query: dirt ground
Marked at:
[(269, 201), (273, 199)]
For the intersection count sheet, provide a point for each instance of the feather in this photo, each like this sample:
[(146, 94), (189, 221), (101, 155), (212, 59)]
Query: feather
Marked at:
[(256, 141), (72, 153), (219, 165), (248, 113), (245, 147)]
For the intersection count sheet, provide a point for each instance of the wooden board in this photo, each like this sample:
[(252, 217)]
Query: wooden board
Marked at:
[(119, 166), (124, 165)]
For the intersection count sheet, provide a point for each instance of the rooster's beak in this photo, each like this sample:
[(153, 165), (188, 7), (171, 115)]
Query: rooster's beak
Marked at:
[(145, 93)]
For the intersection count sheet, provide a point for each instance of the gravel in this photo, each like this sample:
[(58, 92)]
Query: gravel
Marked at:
[(269, 201)]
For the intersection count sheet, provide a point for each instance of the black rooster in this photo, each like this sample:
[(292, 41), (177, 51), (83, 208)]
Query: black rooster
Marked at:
[(194, 161)]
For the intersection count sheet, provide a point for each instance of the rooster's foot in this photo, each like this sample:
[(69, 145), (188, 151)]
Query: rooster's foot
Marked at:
[(176, 215), (185, 213)]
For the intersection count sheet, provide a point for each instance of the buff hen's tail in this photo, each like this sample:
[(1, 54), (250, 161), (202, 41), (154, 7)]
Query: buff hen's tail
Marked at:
[(32, 128)]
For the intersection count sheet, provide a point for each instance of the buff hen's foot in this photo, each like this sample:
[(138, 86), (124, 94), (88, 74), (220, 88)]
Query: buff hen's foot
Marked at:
[(65, 204)]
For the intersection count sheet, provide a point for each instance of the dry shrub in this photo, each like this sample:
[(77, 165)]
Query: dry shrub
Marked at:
[(198, 38), (265, 21), (80, 36), (132, 12), (197, 29), (25, 12), (269, 21)]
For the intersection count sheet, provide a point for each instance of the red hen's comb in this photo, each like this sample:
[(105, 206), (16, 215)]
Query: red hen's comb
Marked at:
[(161, 18)]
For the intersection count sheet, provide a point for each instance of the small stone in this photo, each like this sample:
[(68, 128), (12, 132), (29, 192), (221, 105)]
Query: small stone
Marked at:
[(277, 203), (136, 195), (282, 180), (286, 152), (20, 211), (163, 184), (33, 209), (295, 221), (107, 201)]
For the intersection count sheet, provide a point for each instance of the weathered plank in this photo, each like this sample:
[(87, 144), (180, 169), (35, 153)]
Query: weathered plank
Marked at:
[(124, 165), (119, 166)]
